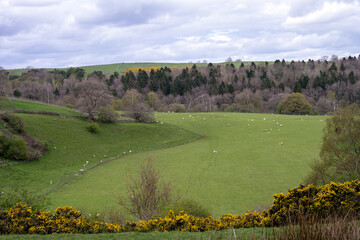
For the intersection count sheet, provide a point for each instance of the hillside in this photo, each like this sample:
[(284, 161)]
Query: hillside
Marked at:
[(249, 165), (237, 165)]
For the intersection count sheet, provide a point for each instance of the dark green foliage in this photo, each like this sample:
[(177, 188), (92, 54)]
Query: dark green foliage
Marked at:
[(352, 77), (17, 93), (294, 103), (78, 72), (129, 80), (281, 86), (222, 88), (340, 150), (56, 92), (154, 82), (98, 74), (14, 122), (93, 128), (107, 115), (333, 67), (13, 148), (142, 79)]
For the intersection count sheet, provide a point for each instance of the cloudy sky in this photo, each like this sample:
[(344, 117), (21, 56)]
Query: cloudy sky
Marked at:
[(56, 33)]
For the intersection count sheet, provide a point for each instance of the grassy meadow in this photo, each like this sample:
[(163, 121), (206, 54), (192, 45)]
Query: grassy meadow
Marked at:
[(228, 162), (21, 104), (119, 67), (248, 167)]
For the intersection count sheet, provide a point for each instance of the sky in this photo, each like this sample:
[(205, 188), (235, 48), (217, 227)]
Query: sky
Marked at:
[(56, 33)]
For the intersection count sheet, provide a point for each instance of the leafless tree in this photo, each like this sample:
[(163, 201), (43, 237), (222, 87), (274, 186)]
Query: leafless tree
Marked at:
[(145, 196), (92, 94), (4, 83)]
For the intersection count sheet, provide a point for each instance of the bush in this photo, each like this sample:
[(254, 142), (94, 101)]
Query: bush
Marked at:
[(13, 148), (93, 128), (14, 122), (294, 103), (107, 115), (22, 219), (140, 112), (176, 107)]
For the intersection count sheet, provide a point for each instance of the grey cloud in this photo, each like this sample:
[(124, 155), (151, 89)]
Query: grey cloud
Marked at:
[(63, 33)]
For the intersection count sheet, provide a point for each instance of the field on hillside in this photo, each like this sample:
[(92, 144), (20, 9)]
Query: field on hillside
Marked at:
[(71, 145), (239, 163), (248, 167), (22, 104), (119, 67)]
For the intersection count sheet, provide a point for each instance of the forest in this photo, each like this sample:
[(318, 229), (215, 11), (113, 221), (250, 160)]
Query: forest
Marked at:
[(246, 87)]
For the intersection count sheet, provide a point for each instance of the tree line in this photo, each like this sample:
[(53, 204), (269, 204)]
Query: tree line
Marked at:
[(255, 87)]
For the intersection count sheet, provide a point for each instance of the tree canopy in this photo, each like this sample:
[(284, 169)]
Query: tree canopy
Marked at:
[(340, 150), (294, 103)]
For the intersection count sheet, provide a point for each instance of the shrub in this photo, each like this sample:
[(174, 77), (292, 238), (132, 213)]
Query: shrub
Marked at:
[(107, 115), (13, 148), (14, 122), (69, 105), (177, 107), (140, 112), (93, 128), (22, 219), (294, 103), (232, 108)]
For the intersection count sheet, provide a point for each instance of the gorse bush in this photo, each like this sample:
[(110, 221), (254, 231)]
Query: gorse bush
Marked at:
[(298, 206), (14, 122), (22, 219)]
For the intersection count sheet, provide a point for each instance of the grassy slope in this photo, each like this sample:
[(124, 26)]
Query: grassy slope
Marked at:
[(5, 104), (22, 104), (110, 68), (248, 168), (75, 145)]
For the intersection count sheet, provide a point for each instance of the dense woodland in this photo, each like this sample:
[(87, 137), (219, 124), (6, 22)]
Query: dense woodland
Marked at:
[(327, 85)]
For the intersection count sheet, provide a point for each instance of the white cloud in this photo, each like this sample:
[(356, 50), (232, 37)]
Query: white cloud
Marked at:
[(63, 33)]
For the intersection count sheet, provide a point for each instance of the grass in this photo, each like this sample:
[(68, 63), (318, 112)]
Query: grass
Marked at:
[(248, 168), (249, 165), (22, 104), (71, 145), (5, 104), (252, 233), (111, 68)]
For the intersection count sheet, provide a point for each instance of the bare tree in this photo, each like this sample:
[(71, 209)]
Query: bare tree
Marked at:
[(4, 83), (145, 196), (92, 94)]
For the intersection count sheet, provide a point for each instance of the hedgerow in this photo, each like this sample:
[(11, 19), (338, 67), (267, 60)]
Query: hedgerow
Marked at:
[(339, 198)]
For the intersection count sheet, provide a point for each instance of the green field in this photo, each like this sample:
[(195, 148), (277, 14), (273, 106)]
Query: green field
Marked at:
[(237, 164), (248, 168), (71, 145), (119, 67), (22, 104)]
